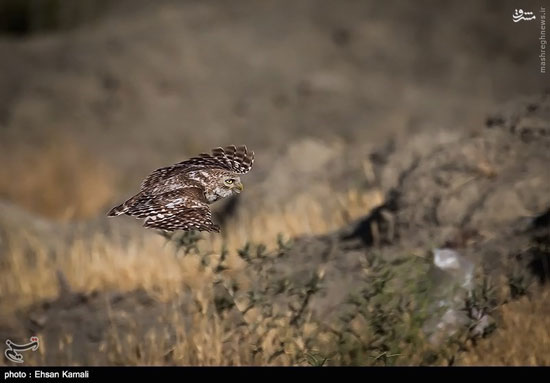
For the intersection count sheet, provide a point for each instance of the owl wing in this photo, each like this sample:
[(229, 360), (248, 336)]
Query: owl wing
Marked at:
[(186, 219), (182, 209), (236, 159)]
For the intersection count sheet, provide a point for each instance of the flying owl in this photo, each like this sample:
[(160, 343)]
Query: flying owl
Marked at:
[(177, 197)]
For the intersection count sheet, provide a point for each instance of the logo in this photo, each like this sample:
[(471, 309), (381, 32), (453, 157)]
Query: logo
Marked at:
[(12, 350), (521, 15)]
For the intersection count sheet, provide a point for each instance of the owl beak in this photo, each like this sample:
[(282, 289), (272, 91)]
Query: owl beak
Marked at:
[(239, 187)]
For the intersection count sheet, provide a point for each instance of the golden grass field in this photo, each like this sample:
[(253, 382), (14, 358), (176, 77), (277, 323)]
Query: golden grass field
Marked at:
[(522, 339)]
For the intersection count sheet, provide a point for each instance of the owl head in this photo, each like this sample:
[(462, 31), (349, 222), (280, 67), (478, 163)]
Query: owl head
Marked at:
[(223, 184), (230, 183)]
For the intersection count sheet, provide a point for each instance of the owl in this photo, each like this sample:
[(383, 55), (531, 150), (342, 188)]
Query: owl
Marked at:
[(177, 197)]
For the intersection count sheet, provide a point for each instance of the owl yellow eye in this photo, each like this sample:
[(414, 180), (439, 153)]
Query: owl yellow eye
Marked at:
[(229, 181)]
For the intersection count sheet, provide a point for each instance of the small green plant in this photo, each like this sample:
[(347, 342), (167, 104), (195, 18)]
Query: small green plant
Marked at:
[(380, 323)]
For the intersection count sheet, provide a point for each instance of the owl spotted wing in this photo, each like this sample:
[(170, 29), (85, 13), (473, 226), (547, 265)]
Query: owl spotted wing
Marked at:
[(182, 209), (238, 160), (235, 159), (186, 219)]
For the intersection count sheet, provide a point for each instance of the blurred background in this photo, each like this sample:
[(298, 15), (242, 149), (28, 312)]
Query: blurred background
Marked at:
[(382, 130)]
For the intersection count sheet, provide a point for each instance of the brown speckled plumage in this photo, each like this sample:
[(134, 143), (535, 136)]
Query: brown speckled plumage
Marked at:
[(177, 197)]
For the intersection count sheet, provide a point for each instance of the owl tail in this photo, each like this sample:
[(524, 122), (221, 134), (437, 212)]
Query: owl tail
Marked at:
[(123, 208)]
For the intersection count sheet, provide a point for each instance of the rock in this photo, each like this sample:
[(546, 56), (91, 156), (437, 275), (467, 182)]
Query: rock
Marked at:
[(452, 276), (456, 266)]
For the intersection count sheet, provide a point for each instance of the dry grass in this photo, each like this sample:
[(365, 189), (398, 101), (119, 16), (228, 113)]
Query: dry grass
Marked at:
[(523, 336), (147, 261), (89, 264), (300, 216), (57, 179), (191, 331), (201, 335)]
